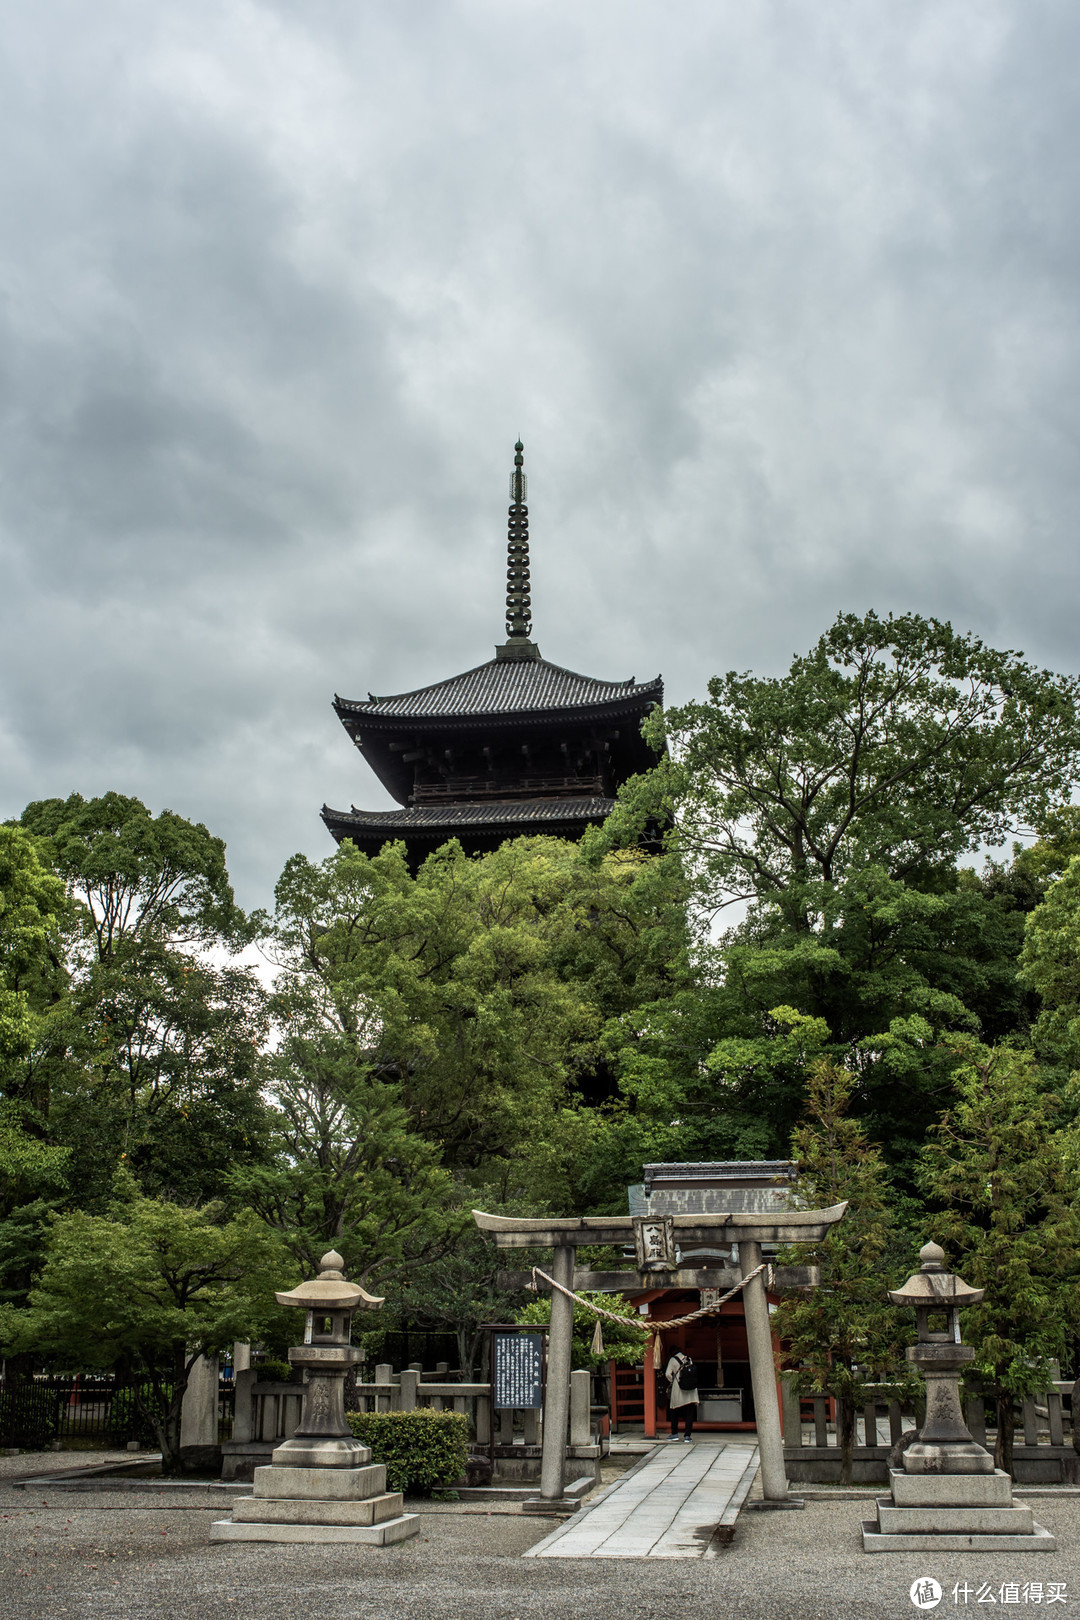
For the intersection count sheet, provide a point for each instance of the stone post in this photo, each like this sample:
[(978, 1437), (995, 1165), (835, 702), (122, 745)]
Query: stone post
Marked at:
[(580, 1401), (384, 1374), (557, 1395), (410, 1379), (244, 1407), (241, 1357), (483, 1420), (199, 1411), (774, 1485)]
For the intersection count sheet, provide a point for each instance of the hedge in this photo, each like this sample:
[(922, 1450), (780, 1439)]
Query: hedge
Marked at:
[(423, 1451), (274, 1372)]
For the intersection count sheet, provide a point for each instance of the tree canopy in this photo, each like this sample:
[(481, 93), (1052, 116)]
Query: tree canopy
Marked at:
[(897, 743), (149, 1287)]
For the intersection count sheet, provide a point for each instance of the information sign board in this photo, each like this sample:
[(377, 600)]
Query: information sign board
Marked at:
[(517, 1362)]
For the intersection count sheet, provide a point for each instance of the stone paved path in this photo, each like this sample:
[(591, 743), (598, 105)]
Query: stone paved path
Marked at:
[(667, 1507)]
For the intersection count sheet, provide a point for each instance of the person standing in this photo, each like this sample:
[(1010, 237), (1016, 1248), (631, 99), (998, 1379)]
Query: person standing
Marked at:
[(683, 1397)]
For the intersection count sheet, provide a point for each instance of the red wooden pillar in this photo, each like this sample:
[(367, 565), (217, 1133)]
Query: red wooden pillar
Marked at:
[(650, 1393)]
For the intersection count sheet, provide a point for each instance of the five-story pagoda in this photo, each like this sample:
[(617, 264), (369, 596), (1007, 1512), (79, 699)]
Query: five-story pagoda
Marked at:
[(516, 745)]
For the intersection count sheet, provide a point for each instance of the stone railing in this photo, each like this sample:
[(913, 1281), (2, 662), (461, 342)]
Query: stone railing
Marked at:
[(266, 1413), (1043, 1451)]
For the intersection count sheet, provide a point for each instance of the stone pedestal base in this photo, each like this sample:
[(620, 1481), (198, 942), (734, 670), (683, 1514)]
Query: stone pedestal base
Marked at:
[(376, 1535), (320, 1505), (953, 1513)]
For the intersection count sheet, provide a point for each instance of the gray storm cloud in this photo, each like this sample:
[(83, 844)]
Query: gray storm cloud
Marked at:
[(782, 299)]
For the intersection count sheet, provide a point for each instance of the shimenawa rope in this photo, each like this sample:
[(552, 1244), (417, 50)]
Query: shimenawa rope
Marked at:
[(655, 1324)]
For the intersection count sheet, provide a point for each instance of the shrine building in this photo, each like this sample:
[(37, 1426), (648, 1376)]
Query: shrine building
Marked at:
[(717, 1344), (516, 745)]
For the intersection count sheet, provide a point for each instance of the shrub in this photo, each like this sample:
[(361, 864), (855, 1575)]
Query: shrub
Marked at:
[(423, 1451), (127, 1422), (274, 1372)]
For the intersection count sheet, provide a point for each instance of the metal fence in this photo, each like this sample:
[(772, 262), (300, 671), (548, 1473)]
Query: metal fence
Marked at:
[(86, 1409)]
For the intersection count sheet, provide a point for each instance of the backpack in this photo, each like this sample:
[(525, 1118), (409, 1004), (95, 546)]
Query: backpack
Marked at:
[(686, 1377)]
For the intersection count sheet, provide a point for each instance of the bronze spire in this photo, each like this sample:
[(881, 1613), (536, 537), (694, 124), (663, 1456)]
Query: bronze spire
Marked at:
[(519, 643)]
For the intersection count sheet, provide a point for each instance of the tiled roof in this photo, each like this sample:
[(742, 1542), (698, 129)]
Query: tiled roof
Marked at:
[(507, 686), (433, 818)]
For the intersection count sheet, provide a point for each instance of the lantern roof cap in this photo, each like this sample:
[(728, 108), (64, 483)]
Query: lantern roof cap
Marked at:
[(932, 1285), (329, 1291)]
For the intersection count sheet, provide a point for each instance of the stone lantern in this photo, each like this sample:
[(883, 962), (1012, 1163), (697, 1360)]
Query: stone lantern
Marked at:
[(323, 1438), (948, 1496), (321, 1484), (944, 1445)]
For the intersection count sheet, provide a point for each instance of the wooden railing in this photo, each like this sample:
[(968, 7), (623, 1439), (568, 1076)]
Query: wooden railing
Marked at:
[(480, 787), (1044, 1454)]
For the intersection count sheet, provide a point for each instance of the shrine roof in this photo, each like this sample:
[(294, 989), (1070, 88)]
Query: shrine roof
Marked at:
[(505, 686)]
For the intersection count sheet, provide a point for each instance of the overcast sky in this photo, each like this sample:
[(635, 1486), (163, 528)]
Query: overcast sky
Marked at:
[(782, 298)]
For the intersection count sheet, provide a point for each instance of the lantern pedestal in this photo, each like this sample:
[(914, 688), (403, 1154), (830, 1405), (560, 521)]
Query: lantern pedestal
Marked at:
[(320, 1504), (953, 1513)]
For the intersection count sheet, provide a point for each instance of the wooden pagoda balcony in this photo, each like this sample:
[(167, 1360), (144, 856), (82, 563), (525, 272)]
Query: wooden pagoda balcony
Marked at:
[(460, 788)]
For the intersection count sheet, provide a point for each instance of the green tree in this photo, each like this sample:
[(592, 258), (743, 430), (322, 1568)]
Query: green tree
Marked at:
[(478, 988), (139, 875), (33, 1171), (32, 905), (623, 1343), (150, 1050), (148, 1288), (1050, 965), (1006, 1179), (344, 1166), (894, 743), (835, 804), (844, 1333)]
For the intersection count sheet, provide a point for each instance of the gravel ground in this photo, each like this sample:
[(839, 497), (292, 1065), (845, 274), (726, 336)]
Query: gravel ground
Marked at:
[(53, 1462), (132, 1556)]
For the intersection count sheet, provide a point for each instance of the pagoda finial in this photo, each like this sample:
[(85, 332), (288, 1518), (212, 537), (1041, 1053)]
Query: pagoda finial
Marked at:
[(518, 600)]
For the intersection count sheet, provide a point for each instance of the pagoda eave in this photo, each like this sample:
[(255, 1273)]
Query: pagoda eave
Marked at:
[(356, 716)]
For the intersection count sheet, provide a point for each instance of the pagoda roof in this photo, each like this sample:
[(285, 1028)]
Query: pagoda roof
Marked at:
[(479, 826), (447, 819), (524, 687)]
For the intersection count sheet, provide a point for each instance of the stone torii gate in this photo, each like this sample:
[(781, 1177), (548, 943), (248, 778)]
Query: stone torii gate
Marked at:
[(656, 1242)]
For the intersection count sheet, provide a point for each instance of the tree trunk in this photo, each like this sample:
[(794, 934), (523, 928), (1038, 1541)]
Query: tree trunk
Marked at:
[(165, 1419), (1003, 1445), (169, 1433), (845, 1435)]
